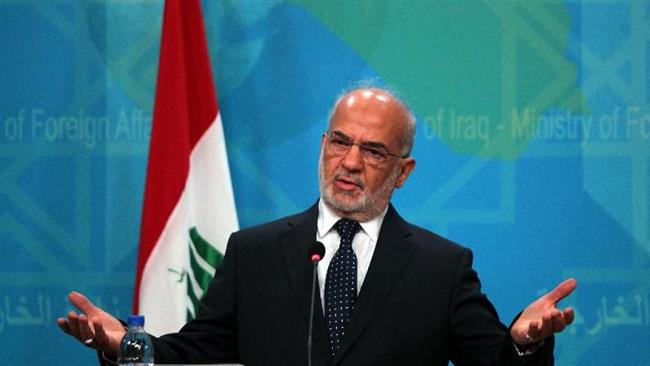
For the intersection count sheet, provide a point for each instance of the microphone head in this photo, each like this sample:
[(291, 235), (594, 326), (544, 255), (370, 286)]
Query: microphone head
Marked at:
[(316, 252)]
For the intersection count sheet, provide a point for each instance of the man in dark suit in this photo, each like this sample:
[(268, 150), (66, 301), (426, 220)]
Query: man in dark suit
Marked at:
[(390, 292)]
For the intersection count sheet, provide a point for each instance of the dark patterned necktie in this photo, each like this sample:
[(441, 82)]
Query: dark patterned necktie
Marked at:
[(341, 285)]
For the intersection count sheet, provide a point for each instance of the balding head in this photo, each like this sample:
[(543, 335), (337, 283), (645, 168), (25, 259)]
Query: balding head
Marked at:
[(377, 99)]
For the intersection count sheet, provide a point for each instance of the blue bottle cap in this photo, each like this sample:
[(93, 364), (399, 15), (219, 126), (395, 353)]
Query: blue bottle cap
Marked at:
[(135, 320)]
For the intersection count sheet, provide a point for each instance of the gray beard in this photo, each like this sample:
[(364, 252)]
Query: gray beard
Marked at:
[(367, 206)]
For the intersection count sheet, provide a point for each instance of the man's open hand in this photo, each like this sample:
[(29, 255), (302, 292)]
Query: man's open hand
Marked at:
[(94, 327), (542, 318)]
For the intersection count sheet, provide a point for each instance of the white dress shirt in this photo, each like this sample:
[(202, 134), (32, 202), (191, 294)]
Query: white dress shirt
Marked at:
[(364, 244)]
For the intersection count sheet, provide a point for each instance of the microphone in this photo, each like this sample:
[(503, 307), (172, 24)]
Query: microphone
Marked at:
[(316, 253)]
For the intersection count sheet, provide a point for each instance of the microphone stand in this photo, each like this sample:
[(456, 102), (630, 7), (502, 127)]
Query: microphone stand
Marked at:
[(311, 310), (316, 253)]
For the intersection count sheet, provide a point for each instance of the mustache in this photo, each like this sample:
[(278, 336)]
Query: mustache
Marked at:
[(352, 178)]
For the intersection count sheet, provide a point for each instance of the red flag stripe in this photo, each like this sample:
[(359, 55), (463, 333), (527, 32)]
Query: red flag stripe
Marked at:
[(185, 107)]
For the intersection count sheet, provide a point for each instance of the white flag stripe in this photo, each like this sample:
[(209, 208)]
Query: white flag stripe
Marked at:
[(213, 204), (206, 203), (157, 278)]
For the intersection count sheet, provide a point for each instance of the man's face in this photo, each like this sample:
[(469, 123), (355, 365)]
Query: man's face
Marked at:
[(349, 184)]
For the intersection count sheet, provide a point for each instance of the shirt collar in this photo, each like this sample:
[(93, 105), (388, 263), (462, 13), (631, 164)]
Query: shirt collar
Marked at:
[(327, 218)]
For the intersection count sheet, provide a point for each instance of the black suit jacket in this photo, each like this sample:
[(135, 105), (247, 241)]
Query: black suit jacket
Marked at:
[(420, 304)]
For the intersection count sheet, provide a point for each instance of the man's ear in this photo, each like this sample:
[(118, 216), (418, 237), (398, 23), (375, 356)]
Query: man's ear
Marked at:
[(407, 166)]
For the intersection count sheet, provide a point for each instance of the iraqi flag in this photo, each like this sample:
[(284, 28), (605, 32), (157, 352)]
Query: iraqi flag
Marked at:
[(189, 210)]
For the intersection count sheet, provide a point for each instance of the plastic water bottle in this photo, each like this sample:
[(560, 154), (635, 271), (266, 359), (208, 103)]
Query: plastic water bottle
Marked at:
[(136, 348)]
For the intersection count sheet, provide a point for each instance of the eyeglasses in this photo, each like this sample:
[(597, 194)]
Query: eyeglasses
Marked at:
[(372, 153)]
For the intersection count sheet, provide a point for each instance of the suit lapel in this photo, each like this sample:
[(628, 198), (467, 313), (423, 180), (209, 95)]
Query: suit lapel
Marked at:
[(295, 244), (391, 255)]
